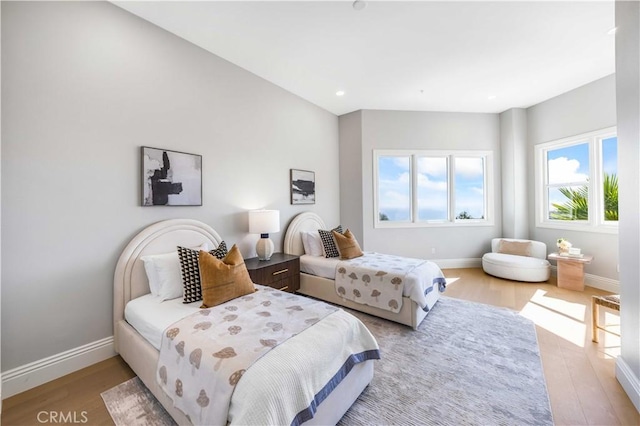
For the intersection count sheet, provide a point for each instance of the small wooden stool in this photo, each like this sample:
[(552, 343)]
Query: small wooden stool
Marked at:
[(611, 302)]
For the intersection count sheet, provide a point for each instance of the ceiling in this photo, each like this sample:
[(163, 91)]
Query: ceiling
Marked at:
[(472, 56)]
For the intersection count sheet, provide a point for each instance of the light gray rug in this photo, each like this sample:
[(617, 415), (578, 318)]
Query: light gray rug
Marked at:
[(467, 364)]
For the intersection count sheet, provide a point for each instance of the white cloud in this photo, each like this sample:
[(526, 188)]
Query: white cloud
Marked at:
[(563, 170), (433, 166), (469, 167), (403, 162), (403, 178), (425, 182), (394, 200), (394, 193)]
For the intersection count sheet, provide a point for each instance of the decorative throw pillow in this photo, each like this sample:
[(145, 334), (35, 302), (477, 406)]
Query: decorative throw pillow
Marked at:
[(347, 245), (191, 270), (518, 248), (330, 249), (223, 280)]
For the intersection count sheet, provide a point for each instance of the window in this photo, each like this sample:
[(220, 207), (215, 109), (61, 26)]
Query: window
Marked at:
[(431, 188), (577, 180)]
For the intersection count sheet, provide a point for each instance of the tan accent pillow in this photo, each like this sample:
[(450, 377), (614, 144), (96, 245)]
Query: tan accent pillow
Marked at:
[(223, 280), (347, 245), (519, 248)]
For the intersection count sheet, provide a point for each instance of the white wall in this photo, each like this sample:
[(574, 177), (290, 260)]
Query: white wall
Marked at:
[(628, 105), (0, 212), (425, 130), (587, 108), (85, 84)]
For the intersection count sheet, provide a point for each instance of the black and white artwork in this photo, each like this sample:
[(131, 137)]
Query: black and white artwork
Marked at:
[(303, 187), (171, 178)]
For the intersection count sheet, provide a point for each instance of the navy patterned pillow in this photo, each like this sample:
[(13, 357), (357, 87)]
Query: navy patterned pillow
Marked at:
[(191, 271), (329, 245)]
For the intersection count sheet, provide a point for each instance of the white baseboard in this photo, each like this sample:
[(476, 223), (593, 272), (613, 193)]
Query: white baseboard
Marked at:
[(629, 381), (602, 283), (36, 373), (457, 263), (595, 281)]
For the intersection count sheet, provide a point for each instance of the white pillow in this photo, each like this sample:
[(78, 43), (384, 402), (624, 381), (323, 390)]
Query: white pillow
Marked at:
[(165, 274), (312, 243), (305, 242)]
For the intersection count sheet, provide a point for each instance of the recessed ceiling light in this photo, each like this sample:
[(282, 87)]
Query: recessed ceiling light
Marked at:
[(340, 93), (359, 4), (491, 97), (612, 31)]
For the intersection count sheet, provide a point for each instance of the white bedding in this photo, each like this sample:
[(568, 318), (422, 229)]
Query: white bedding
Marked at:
[(150, 317), (326, 267), (291, 376), (319, 265)]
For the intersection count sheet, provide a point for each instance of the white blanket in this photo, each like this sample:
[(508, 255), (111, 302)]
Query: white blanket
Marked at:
[(197, 347), (380, 280), (289, 392)]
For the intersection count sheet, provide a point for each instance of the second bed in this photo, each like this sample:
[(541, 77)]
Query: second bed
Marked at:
[(318, 274)]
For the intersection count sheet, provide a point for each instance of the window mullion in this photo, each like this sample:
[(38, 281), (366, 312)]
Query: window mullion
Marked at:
[(414, 188), (598, 195), (452, 188)]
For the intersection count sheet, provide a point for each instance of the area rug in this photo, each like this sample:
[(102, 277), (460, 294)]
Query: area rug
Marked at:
[(467, 364)]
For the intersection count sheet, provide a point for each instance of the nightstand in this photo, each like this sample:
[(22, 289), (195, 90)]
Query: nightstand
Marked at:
[(282, 271)]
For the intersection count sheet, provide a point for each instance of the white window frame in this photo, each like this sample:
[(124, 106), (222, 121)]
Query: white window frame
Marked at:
[(596, 222), (487, 156)]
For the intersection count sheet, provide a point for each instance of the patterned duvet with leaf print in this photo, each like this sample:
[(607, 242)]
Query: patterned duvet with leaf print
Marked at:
[(204, 356)]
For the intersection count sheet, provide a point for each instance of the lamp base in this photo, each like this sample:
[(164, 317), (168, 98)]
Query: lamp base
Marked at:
[(264, 248)]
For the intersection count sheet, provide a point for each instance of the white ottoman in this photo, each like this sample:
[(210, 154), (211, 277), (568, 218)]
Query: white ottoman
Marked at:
[(517, 268), (533, 268)]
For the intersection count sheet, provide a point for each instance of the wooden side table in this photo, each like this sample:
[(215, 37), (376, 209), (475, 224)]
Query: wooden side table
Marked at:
[(282, 271), (571, 270)]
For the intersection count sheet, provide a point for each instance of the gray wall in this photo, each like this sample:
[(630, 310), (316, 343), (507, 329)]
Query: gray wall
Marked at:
[(351, 173), (628, 103), (85, 84), (587, 108), (424, 130), (513, 154)]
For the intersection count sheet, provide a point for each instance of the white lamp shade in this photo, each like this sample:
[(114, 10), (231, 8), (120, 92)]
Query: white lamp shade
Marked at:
[(264, 221)]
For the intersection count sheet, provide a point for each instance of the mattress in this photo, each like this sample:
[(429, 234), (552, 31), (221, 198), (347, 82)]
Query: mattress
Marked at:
[(150, 317), (319, 266)]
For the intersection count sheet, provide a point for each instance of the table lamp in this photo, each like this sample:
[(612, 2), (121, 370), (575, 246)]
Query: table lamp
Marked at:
[(264, 222)]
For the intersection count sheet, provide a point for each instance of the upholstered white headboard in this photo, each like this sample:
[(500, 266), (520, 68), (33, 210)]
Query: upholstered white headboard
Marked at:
[(130, 280), (304, 222)]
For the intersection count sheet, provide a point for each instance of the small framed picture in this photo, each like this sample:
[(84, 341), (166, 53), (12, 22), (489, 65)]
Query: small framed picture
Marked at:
[(171, 178), (303, 187)]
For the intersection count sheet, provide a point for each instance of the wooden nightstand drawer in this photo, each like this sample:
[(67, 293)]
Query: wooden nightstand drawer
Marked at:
[(282, 271), (275, 273)]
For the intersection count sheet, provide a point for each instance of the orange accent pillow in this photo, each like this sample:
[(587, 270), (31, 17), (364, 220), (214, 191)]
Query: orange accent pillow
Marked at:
[(518, 248), (223, 280), (347, 245)]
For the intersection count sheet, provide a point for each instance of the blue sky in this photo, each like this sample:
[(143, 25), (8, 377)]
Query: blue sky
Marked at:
[(394, 187), (571, 165)]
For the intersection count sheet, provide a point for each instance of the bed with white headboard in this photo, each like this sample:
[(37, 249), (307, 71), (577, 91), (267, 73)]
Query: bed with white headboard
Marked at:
[(322, 288), (130, 282)]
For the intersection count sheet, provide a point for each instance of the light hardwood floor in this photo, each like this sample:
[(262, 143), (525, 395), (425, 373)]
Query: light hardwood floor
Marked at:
[(579, 373)]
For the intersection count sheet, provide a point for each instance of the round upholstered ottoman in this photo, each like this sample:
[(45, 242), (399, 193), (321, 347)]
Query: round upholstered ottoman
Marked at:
[(517, 268)]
